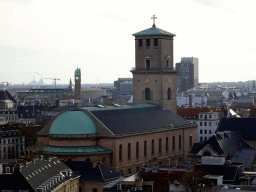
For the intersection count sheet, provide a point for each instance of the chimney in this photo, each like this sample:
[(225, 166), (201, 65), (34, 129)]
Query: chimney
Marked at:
[(190, 101)]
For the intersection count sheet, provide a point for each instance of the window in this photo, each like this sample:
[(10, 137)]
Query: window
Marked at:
[(173, 143), (179, 141), (4, 149), (147, 94), (137, 169), (205, 138), (201, 116), (205, 116), (7, 169), (210, 131), (120, 152), (205, 131), (94, 190), (129, 171), (210, 116), (153, 147), (167, 63), (201, 131), (148, 64), (169, 94), (155, 42), (137, 150), (210, 123), (148, 42), (160, 145), (205, 123), (140, 42), (179, 159), (201, 123), (201, 139), (166, 144), (190, 140), (129, 151), (145, 148)]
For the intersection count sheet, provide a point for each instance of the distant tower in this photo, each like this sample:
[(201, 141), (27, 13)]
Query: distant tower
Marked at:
[(78, 94), (154, 78)]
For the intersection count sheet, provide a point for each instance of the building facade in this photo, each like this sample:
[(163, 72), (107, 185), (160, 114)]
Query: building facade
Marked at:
[(187, 76)]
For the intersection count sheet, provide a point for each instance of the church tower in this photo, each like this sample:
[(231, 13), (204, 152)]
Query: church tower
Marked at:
[(78, 93), (154, 78)]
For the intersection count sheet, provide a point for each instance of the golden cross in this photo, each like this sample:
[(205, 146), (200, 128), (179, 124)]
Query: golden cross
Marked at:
[(153, 19)]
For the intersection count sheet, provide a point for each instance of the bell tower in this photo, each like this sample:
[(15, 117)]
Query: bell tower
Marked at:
[(154, 77), (78, 93)]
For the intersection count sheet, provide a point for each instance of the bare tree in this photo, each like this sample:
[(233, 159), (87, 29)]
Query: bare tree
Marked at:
[(195, 182)]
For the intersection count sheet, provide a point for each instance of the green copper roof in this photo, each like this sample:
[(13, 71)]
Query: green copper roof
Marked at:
[(92, 149), (73, 123), (78, 72), (153, 31)]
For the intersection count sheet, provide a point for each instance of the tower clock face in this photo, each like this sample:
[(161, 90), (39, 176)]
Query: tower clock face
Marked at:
[(147, 80), (77, 78)]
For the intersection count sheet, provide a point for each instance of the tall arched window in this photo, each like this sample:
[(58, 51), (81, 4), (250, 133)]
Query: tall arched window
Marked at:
[(145, 148), (129, 151), (147, 94), (173, 142), (153, 147), (169, 94), (166, 144), (137, 150), (120, 152), (160, 145)]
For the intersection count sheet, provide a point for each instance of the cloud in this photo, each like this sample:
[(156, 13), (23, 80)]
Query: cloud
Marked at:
[(113, 16), (219, 4)]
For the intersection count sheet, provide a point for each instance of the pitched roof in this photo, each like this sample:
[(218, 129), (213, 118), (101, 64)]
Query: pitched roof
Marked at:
[(245, 155), (139, 119), (245, 126), (100, 173), (225, 143), (5, 95), (153, 31), (41, 170)]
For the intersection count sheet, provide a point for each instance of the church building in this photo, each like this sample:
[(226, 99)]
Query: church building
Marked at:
[(125, 137)]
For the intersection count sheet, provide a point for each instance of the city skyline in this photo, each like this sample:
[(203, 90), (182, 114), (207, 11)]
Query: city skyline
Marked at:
[(51, 39)]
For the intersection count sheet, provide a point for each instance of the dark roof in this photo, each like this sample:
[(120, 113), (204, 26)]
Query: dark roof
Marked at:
[(7, 182), (27, 111), (100, 173), (245, 155), (223, 143), (229, 172), (5, 95), (41, 170), (245, 126), (138, 119)]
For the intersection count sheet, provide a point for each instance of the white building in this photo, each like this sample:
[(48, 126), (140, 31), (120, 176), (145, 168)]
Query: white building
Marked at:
[(207, 125)]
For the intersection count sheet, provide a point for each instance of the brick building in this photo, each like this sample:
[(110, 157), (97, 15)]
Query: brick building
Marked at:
[(125, 137)]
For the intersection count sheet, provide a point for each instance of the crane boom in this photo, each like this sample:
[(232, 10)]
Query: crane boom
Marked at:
[(55, 79)]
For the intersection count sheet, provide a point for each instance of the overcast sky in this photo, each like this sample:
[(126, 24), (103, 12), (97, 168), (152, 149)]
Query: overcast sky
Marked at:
[(52, 37)]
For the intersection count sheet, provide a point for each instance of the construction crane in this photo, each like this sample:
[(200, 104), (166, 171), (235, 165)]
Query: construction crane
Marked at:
[(6, 84), (55, 79)]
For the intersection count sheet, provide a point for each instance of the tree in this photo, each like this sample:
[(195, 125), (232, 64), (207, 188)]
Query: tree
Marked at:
[(195, 181)]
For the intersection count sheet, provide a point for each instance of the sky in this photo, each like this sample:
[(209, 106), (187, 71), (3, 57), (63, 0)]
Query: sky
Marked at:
[(50, 39)]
